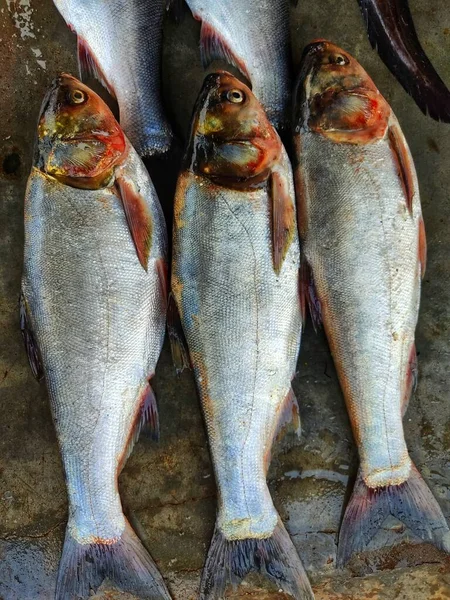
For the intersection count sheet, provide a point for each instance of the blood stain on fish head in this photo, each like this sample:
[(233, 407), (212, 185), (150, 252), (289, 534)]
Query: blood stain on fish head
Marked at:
[(79, 140), (232, 141), (335, 97)]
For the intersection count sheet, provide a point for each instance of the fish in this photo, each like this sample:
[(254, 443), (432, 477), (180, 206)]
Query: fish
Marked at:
[(363, 256), (391, 31), (123, 51), (92, 313), (254, 37), (235, 278)]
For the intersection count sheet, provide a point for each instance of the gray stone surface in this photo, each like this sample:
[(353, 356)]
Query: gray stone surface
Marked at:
[(168, 489)]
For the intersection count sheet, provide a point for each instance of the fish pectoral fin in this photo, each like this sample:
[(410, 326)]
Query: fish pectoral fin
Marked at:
[(89, 66), (422, 247), (34, 355), (308, 295), (176, 9), (283, 221), (178, 344), (138, 216), (403, 162), (213, 46)]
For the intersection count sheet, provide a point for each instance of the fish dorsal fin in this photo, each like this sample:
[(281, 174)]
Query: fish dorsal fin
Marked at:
[(31, 347), (138, 216), (403, 162), (283, 217), (89, 66), (213, 46)]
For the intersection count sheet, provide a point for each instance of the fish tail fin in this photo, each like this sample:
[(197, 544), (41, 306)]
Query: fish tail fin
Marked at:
[(229, 561), (125, 562), (411, 502)]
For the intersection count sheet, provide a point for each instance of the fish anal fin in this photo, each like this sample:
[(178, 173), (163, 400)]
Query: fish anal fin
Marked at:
[(163, 276), (138, 217), (283, 218), (411, 378), (308, 296), (146, 421), (230, 561), (89, 66), (178, 344), (31, 347), (402, 159), (422, 247), (213, 46), (411, 502)]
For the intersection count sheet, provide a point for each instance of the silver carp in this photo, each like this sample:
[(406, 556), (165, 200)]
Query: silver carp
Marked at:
[(93, 313), (254, 37), (364, 252), (235, 277), (119, 43)]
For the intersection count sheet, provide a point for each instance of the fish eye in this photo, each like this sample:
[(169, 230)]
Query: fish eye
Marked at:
[(340, 60), (77, 97), (236, 96)]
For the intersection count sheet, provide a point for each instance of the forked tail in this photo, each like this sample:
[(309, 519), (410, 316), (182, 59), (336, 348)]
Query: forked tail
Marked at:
[(411, 502), (126, 563), (229, 562)]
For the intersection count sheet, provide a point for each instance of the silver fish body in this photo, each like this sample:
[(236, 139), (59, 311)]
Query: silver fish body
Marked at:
[(242, 324), (123, 40), (362, 245), (99, 320), (254, 36)]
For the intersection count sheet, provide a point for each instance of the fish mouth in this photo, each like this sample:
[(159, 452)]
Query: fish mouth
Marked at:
[(310, 64)]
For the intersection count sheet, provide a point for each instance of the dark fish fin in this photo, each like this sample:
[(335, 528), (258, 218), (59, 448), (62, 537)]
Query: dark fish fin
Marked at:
[(214, 47), (308, 296), (391, 31), (89, 67), (163, 276), (126, 563), (283, 218), (178, 344), (228, 562), (176, 9), (34, 355), (402, 159), (138, 217), (289, 426), (411, 502), (422, 247)]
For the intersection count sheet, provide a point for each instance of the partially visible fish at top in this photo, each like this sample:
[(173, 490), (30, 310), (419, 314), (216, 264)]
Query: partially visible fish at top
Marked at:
[(119, 43), (391, 31), (254, 37)]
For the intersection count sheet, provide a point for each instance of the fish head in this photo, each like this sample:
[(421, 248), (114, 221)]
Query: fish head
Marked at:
[(79, 140), (335, 97), (232, 141)]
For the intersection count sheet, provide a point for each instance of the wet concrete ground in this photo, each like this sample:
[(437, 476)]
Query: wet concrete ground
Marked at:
[(168, 489)]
